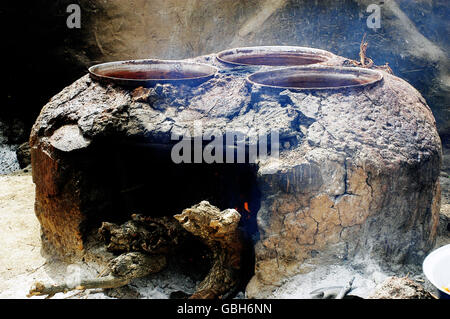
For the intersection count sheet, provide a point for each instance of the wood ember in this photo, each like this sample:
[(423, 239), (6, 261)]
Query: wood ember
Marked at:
[(136, 264), (143, 243)]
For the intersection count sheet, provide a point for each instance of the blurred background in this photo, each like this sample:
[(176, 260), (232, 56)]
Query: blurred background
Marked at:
[(41, 55)]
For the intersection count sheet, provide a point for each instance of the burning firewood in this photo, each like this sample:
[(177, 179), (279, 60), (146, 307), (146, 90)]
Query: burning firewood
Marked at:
[(218, 230), (143, 243)]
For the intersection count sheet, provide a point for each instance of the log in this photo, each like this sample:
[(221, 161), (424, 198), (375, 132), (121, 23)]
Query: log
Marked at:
[(218, 230), (144, 242), (122, 270), (153, 235), (41, 289)]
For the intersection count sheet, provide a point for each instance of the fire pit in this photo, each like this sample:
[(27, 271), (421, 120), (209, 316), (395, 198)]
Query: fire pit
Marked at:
[(346, 164)]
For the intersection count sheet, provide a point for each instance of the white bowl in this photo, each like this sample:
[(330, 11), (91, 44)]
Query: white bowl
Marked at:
[(437, 269)]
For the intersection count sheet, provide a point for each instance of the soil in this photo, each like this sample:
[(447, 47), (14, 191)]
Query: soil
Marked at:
[(19, 241)]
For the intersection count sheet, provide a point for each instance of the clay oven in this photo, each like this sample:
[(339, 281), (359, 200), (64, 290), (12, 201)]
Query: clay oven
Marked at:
[(356, 170)]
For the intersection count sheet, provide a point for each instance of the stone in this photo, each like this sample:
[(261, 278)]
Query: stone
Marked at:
[(400, 288), (155, 236)]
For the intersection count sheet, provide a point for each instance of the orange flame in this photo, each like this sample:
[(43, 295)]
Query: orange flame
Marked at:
[(246, 207)]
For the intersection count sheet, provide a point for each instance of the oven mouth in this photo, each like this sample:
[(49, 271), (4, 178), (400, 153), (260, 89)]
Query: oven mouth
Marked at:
[(314, 78), (128, 177), (273, 56), (151, 72)]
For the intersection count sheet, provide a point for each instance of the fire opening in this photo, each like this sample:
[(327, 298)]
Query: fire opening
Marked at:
[(125, 178)]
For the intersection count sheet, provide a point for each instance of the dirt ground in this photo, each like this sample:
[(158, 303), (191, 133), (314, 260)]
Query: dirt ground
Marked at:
[(21, 262), (19, 236)]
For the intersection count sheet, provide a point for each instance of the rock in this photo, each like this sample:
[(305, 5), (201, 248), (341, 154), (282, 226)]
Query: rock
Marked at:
[(8, 159), (444, 226), (23, 155), (400, 288), (444, 217), (360, 175)]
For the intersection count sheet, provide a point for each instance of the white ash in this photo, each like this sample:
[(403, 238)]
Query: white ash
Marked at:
[(162, 284), (367, 277)]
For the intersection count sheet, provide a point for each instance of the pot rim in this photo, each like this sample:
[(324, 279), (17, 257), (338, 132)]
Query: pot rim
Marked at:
[(312, 52), (374, 77), (210, 71)]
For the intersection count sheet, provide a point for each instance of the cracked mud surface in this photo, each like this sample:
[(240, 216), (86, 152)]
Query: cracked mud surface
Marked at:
[(357, 173)]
